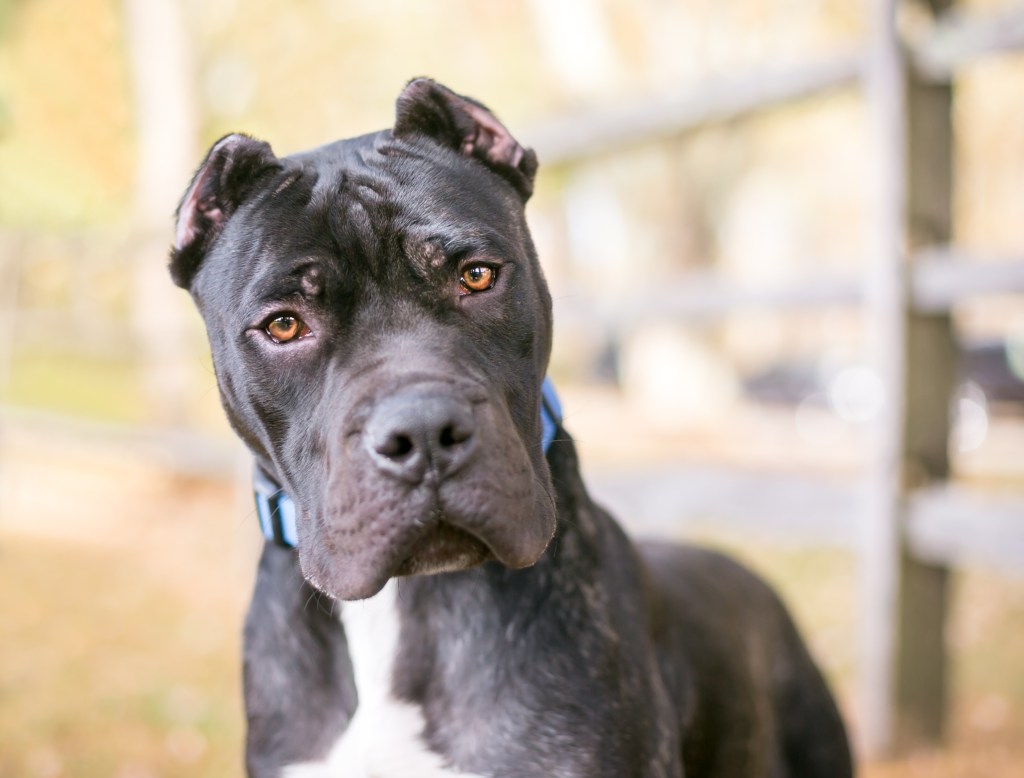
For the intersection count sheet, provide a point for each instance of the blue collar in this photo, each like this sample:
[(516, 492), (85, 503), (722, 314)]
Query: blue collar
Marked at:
[(276, 511)]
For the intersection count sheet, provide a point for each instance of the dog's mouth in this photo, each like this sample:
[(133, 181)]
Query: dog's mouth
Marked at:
[(444, 548), (435, 546), (373, 520)]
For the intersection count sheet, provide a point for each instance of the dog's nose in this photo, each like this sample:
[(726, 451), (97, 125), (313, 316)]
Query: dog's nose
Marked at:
[(409, 435)]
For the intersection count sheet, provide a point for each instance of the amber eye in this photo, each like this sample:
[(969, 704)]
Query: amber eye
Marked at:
[(286, 328), (478, 278)]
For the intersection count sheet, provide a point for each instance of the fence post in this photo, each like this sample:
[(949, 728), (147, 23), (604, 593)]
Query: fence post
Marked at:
[(904, 600), (165, 119), (921, 659)]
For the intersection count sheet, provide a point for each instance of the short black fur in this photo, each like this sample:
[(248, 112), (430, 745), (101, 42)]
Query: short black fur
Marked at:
[(536, 639)]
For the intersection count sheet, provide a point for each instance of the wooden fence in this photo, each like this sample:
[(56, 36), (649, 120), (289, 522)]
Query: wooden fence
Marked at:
[(909, 524)]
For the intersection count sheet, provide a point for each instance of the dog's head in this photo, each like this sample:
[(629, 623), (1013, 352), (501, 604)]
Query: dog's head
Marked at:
[(380, 328)]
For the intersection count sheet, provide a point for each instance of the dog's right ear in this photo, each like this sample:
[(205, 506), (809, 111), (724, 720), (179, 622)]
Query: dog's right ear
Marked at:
[(231, 168)]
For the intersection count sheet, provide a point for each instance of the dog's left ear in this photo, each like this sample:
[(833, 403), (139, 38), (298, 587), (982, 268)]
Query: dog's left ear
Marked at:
[(427, 108)]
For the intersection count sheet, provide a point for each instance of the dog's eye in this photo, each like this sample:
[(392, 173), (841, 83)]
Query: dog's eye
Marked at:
[(478, 278), (287, 328)]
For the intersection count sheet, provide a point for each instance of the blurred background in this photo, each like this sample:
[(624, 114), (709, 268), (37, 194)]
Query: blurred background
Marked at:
[(785, 241)]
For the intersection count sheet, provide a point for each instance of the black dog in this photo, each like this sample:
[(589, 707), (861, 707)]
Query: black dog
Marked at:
[(380, 331)]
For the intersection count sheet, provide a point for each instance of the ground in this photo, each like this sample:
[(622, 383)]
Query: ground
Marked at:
[(125, 587)]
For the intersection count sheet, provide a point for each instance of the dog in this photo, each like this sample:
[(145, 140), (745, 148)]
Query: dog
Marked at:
[(380, 330)]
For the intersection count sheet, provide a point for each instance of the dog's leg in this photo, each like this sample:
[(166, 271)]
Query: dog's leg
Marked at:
[(814, 743)]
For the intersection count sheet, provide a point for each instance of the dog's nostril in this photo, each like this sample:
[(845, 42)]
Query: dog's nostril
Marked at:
[(396, 447), (453, 435)]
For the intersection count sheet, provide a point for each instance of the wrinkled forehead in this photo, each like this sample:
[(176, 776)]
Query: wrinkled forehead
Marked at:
[(408, 186)]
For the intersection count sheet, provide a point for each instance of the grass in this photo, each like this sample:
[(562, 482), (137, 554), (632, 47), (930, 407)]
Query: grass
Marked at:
[(104, 390), (111, 672)]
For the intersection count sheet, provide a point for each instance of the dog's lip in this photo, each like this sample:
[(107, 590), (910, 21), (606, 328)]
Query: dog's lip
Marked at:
[(354, 560), (436, 545), (443, 547)]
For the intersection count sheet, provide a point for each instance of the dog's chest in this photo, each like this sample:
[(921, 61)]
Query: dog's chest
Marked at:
[(385, 736)]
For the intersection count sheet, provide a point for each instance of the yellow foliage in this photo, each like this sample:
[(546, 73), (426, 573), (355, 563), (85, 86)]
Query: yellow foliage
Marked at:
[(66, 152)]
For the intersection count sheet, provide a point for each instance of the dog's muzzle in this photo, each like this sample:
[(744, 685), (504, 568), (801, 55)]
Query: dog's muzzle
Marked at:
[(430, 482)]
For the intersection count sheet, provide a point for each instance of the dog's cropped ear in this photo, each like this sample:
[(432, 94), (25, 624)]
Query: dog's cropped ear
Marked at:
[(226, 177), (427, 108)]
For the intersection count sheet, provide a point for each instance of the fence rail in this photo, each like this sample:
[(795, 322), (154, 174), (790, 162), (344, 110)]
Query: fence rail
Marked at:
[(938, 280), (610, 129), (954, 43)]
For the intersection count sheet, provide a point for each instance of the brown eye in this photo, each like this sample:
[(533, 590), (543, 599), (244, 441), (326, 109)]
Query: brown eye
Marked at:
[(287, 328), (478, 278)]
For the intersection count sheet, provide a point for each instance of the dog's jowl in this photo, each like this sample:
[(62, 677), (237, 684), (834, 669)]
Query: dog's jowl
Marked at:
[(438, 595)]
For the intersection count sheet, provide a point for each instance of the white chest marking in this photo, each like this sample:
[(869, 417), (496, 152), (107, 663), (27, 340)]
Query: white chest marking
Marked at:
[(384, 738)]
